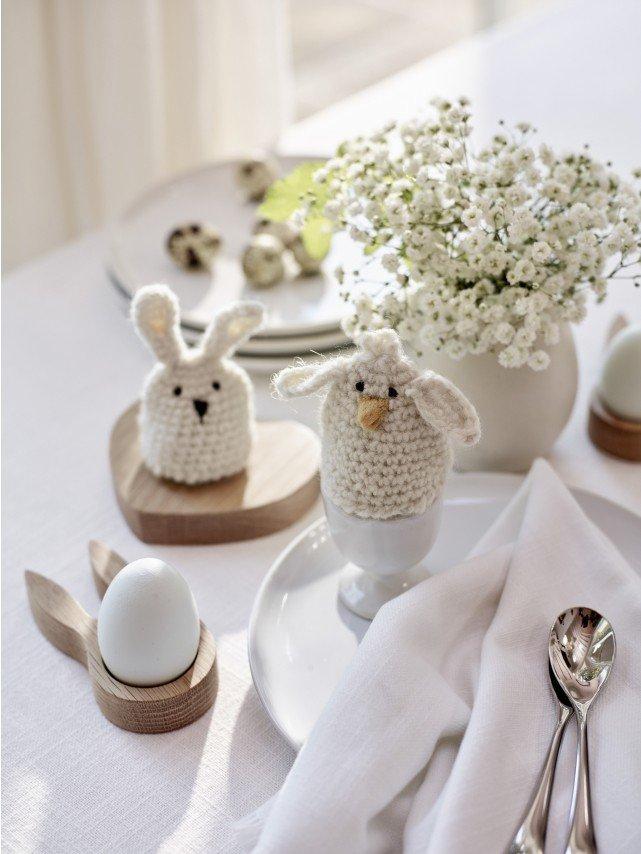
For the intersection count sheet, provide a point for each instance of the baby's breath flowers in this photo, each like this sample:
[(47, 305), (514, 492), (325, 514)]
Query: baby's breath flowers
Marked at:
[(476, 253)]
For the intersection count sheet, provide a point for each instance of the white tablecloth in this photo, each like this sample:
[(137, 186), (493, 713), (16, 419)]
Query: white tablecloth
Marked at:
[(71, 364)]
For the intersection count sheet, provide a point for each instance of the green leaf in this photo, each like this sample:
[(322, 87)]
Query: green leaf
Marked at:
[(286, 195), (317, 236), (371, 248)]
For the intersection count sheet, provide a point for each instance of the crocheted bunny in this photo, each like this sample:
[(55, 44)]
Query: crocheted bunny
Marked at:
[(197, 412), (386, 428)]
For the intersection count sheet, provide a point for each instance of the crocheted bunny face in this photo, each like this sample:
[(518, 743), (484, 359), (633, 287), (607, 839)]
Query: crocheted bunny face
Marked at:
[(196, 415), (387, 428)]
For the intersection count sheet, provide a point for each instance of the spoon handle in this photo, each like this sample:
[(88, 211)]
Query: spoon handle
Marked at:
[(530, 837), (581, 839), (59, 617)]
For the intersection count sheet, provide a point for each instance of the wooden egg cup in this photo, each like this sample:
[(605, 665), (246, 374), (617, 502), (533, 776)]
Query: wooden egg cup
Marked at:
[(612, 434), (66, 625), (280, 484)]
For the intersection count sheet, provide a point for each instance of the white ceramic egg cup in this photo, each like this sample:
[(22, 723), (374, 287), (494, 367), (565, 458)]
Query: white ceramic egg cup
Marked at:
[(66, 625), (384, 554)]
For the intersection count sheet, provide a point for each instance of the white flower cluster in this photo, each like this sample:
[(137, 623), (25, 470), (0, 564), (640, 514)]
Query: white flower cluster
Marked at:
[(482, 253)]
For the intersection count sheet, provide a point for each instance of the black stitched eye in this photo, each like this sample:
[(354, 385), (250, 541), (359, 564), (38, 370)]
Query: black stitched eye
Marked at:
[(392, 391), (178, 391), (360, 386), (215, 385)]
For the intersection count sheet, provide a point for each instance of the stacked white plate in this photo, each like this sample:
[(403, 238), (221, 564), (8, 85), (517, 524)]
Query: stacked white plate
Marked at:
[(303, 313)]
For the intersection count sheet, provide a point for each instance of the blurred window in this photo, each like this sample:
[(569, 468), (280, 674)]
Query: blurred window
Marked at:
[(341, 46)]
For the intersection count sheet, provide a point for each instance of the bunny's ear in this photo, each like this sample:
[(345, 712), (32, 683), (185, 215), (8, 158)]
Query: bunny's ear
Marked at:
[(442, 405), (155, 313), (301, 380), (231, 327)]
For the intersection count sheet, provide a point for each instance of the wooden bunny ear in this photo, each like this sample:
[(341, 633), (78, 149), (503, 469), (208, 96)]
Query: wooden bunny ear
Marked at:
[(59, 617), (302, 380), (442, 405), (156, 316), (231, 327)]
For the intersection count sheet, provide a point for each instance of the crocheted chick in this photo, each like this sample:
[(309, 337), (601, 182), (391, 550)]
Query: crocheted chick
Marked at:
[(197, 412), (386, 428)]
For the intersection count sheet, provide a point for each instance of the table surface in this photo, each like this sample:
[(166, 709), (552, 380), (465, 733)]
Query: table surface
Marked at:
[(72, 781)]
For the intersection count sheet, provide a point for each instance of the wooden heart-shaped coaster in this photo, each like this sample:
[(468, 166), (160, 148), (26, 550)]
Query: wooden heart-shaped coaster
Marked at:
[(279, 485), (66, 625)]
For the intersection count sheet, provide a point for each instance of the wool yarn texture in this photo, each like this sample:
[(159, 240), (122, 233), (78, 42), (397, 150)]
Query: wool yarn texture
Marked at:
[(197, 411), (387, 428)]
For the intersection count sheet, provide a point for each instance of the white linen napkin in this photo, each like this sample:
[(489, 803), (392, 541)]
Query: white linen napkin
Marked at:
[(435, 736)]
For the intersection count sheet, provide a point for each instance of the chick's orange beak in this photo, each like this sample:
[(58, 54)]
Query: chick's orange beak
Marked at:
[(372, 411)]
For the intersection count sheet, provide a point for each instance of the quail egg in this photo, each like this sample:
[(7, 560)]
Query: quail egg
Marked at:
[(194, 245), (263, 261), (308, 266), (255, 176), (286, 232)]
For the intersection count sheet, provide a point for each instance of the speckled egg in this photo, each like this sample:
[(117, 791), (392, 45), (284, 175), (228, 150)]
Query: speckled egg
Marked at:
[(263, 261), (194, 245), (286, 232), (255, 176), (309, 266)]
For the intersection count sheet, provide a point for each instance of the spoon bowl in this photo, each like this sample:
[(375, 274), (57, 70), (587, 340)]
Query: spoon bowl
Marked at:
[(582, 649)]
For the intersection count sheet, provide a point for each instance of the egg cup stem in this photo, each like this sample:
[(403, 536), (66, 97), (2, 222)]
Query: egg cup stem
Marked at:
[(384, 555)]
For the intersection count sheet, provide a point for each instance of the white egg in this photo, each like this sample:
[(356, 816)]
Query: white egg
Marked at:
[(620, 385), (148, 626)]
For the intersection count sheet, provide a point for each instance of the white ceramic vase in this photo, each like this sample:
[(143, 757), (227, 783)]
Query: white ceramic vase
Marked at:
[(522, 411), (383, 555)]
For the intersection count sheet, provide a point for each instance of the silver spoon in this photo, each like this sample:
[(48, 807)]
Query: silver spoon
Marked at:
[(530, 837), (582, 648)]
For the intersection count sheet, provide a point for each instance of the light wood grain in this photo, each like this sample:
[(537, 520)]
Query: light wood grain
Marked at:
[(612, 434), (105, 565), (279, 485), (59, 617), (68, 627)]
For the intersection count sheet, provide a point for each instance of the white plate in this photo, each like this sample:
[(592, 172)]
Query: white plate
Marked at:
[(293, 345), (138, 257), (272, 364), (281, 351), (300, 637)]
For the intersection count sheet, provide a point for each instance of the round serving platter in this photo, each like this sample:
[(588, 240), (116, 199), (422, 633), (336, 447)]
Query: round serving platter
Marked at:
[(301, 638), (298, 306)]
